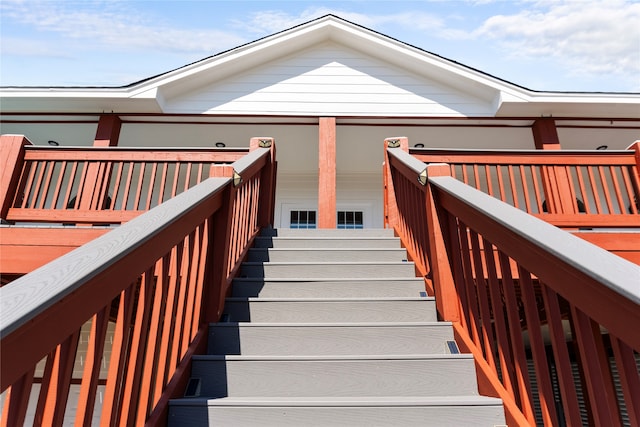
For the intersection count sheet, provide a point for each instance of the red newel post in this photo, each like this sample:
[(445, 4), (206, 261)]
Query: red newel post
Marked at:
[(11, 162)]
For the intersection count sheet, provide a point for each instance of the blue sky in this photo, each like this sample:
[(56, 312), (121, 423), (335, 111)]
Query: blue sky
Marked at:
[(546, 45)]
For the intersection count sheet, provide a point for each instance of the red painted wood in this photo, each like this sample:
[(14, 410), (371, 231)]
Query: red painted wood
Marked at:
[(267, 181), (155, 363), (614, 312), (500, 322), (488, 383), (12, 153), (595, 366), (545, 135), (93, 361), (327, 214), (540, 362), (112, 394), (482, 297), (178, 382), (629, 378), (443, 284), (108, 131), (517, 342), (571, 409), (53, 397), (17, 401), (474, 327)]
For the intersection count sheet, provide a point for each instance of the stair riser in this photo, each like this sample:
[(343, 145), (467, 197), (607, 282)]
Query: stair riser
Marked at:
[(329, 271), (327, 255), (382, 416), (329, 340), (447, 376), (334, 311), (283, 242), (327, 289)]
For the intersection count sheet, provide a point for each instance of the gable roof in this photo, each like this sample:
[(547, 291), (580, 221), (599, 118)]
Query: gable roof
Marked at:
[(155, 94)]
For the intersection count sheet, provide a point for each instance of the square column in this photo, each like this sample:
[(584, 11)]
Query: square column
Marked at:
[(327, 173)]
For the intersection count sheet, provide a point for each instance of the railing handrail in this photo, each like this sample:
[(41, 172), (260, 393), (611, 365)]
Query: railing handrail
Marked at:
[(501, 275), (573, 258), (156, 280), (528, 157), (27, 298), (134, 153)]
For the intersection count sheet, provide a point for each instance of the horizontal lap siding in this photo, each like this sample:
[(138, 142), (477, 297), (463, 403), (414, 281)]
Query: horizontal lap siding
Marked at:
[(330, 80)]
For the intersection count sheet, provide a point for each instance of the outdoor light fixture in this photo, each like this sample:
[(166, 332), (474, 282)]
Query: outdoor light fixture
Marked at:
[(53, 143), (602, 147), (419, 145), (220, 144)]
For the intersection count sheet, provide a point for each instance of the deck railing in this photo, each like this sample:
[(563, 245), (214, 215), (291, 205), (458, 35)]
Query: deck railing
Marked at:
[(154, 283), (550, 319), (570, 188), (100, 184)]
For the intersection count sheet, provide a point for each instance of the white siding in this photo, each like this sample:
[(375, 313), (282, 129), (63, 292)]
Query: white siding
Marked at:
[(329, 80)]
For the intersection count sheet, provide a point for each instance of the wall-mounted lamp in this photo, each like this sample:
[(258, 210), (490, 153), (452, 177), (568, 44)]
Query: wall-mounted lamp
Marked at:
[(602, 147), (220, 144), (419, 145), (53, 143)]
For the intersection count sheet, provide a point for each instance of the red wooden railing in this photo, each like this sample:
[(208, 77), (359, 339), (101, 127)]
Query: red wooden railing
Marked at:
[(550, 319), (570, 188), (101, 184), (154, 283)]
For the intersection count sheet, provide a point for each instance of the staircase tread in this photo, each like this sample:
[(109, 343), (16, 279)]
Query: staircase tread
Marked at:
[(311, 249), (329, 237), (409, 279), (327, 299), (464, 400), (329, 324), (254, 263), (338, 358)]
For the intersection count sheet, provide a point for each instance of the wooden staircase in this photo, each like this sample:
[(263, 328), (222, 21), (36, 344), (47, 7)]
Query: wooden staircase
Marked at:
[(332, 328)]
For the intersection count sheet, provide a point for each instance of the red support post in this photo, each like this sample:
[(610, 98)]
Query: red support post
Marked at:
[(446, 295), (11, 161), (98, 175), (327, 173), (636, 147), (108, 132), (267, 181), (390, 206), (545, 134)]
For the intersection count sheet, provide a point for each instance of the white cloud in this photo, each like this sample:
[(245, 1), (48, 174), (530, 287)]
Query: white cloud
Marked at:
[(272, 21), (586, 37), (113, 25)]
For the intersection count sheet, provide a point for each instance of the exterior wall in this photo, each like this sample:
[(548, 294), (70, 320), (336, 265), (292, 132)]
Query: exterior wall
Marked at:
[(357, 192), (590, 139), (329, 80)]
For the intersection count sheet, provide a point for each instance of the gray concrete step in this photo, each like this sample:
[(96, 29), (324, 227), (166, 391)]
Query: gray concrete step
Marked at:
[(326, 242), (334, 376), (332, 328), (303, 288), (307, 339), (326, 255), (328, 270), (314, 310), (338, 412)]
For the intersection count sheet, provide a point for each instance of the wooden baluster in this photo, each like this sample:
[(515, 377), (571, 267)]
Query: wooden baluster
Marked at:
[(91, 373), (571, 409), (17, 401), (597, 374)]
